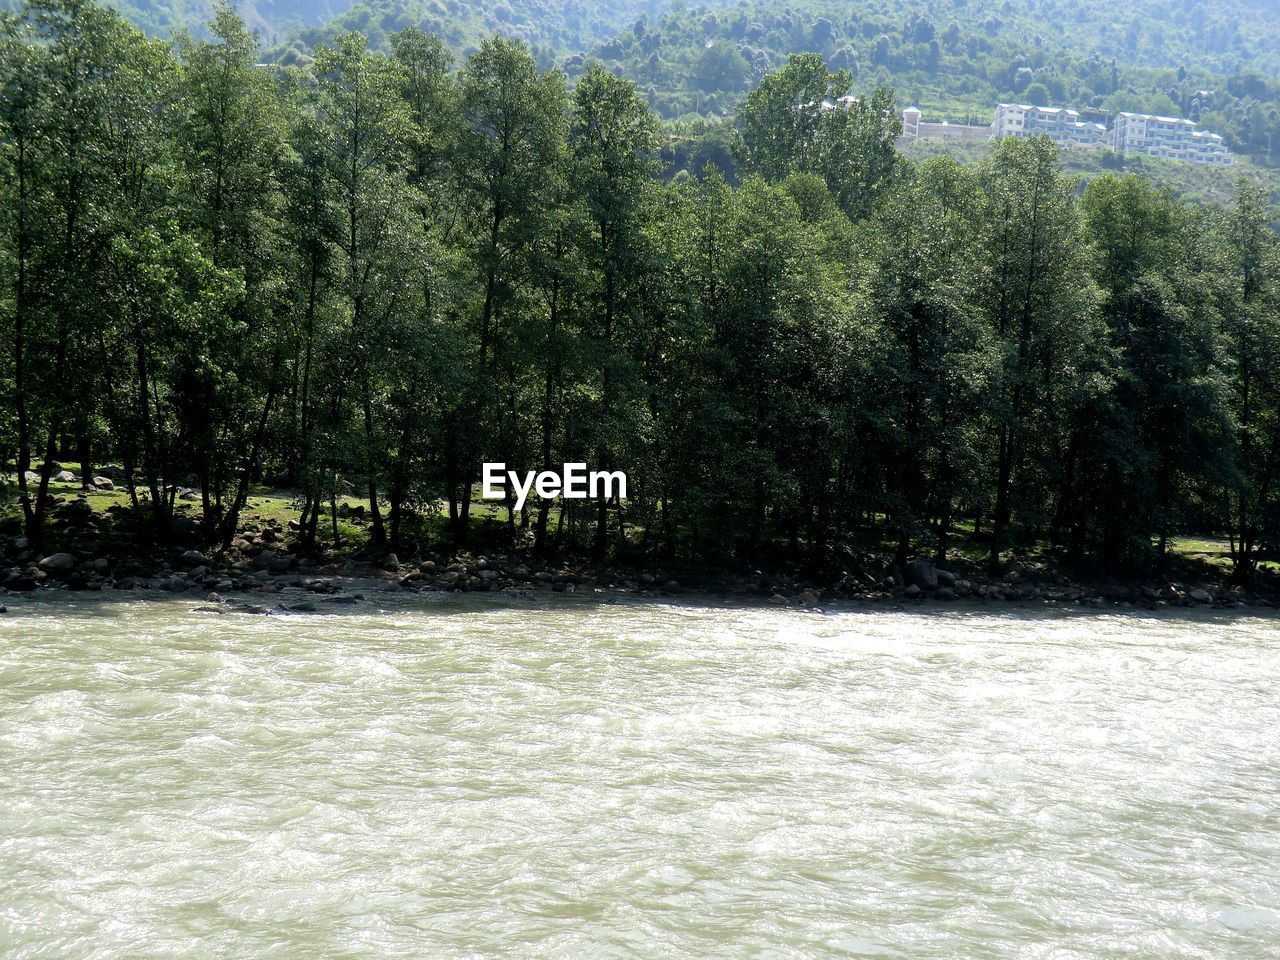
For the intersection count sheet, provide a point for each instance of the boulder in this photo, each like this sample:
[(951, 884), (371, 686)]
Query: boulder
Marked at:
[(77, 509), (58, 564), (263, 560), (1200, 596), (194, 558), (923, 574), (913, 592), (103, 483), (64, 476), (945, 578), (283, 562)]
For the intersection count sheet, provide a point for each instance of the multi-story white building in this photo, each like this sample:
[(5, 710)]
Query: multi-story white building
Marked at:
[(1170, 137), (1059, 124)]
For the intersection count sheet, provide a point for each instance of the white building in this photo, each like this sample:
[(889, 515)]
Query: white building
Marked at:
[(914, 127), (1062, 126), (1170, 137)]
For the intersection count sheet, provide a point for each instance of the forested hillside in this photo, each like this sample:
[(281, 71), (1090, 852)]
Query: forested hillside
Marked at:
[(270, 18), (371, 274), (1217, 62)]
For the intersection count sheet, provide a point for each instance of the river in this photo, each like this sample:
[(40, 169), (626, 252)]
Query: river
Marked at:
[(463, 777)]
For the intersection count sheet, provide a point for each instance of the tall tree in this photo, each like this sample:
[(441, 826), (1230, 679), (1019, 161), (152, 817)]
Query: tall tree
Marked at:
[(510, 153), (1036, 294), (614, 138), (231, 135), (365, 129)]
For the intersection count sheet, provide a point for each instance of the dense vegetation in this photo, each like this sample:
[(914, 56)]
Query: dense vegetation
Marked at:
[(1214, 62), (269, 18), (381, 271)]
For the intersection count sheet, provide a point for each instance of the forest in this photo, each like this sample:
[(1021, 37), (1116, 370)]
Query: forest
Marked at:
[(367, 274), (1216, 63)]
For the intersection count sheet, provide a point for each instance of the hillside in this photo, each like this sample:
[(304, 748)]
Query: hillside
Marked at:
[(272, 19), (1216, 62)]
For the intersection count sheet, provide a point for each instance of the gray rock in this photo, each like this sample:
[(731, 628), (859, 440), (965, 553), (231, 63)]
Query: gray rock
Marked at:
[(945, 593), (914, 592), (922, 574), (283, 562), (19, 582), (945, 578), (58, 564), (1200, 596), (64, 476), (263, 560), (195, 558)]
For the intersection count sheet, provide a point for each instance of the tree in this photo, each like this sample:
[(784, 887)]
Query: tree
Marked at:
[(509, 158), (1163, 418), (1252, 326), (613, 138), (364, 128), (796, 121), (230, 135), (1036, 295), (938, 354)]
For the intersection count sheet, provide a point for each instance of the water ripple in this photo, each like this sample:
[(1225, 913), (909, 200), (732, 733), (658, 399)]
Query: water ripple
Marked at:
[(464, 777)]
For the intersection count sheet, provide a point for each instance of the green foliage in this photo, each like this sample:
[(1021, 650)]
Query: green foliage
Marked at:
[(367, 274)]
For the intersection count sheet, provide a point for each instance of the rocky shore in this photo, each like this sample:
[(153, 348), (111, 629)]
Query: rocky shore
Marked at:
[(263, 560)]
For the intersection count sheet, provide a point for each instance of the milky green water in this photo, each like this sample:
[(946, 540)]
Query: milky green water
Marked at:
[(468, 778)]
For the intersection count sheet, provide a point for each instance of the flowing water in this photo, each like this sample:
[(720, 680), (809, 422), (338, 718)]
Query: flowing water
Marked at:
[(466, 777)]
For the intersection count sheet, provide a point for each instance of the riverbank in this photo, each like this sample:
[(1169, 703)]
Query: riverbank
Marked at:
[(92, 549)]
